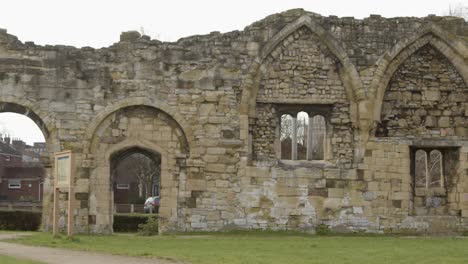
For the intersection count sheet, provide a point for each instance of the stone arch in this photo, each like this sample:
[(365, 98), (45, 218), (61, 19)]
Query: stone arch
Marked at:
[(27, 108), (250, 86), (46, 124), (149, 146), (135, 143), (348, 72), (138, 126), (447, 44), (139, 101)]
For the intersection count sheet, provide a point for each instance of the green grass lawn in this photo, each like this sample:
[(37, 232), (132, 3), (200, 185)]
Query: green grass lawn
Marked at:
[(257, 247), (11, 260)]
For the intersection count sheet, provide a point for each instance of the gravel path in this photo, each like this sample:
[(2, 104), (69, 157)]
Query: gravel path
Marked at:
[(62, 256)]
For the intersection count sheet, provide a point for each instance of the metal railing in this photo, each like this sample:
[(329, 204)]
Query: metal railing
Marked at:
[(20, 206), (128, 208)]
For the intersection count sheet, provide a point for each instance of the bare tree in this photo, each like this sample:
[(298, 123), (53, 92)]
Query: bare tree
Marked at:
[(286, 127), (146, 170), (458, 10)]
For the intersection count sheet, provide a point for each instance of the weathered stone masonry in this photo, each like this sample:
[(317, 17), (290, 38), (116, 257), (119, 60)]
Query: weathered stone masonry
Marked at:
[(210, 105)]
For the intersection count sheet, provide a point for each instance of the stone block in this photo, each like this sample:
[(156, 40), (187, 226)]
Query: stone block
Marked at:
[(196, 185), (258, 172), (431, 95), (444, 121), (330, 183), (430, 121), (336, 192), (81, 196), (461, 131), (373, 186), (332, 203), (332, 173), (215, 167), (320, 183), (309, 172), (400, 196), (318, 192), (464, 213)]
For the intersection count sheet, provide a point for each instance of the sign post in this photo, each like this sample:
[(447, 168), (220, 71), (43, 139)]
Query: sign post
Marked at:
[(64, 177)]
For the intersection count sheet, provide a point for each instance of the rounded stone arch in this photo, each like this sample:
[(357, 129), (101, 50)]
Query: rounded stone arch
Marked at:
[(172, 147), (140, 101), (348, 72), (29, 109), (46, 123), (446, 43)]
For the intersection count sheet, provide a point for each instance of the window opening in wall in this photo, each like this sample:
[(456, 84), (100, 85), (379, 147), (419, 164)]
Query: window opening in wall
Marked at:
[(421, 169), (435, 176), (428, 169), (302, 135), (318, 129), (122, 186), (14, 184), (286, 133), (134, 173)]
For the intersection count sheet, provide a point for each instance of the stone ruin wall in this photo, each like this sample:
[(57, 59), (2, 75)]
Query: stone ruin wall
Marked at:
[(217, 96), (426, 97)]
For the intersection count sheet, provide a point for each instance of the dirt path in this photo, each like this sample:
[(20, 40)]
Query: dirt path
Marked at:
[(62, 256)]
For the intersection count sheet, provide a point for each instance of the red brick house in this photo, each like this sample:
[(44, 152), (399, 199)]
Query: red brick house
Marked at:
[(127, 189), (21, 173)]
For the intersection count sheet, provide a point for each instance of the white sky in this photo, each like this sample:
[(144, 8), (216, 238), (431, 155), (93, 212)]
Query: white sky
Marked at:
[(20, 126), (98, 23)]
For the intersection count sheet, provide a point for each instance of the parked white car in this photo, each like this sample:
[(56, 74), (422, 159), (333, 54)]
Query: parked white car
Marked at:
[(152, 205)]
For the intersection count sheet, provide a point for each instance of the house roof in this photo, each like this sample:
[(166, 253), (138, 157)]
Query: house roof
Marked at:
[(6, 149), (23, 172)]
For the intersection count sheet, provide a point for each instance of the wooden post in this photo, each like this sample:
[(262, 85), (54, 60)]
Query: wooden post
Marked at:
[(55, 227), (71, 196), (64, 178)]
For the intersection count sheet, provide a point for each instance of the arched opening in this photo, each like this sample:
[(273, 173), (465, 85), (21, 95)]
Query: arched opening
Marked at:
[(286, 135), (24, 163), (435, 173), (318, 128), (420, 169), (147, 131), (434, 179), (302, 133), (136, 181)]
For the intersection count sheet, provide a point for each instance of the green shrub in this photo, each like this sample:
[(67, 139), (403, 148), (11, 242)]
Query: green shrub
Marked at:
[(20, 220), (137, 200), (129, 222), (151, 228), (322, 230)]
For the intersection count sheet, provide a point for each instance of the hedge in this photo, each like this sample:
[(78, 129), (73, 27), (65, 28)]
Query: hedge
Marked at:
[(20, 220), (130, 222)]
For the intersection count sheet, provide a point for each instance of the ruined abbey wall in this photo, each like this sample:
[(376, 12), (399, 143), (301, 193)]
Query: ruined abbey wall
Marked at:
[(210, 106)]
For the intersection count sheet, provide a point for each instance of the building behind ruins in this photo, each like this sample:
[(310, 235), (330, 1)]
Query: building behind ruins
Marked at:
[(21, 172), (298, 121)]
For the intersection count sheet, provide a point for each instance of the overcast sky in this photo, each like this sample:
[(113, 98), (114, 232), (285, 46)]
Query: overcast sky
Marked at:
[(98, 23)]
